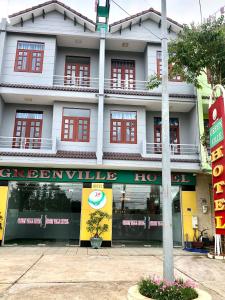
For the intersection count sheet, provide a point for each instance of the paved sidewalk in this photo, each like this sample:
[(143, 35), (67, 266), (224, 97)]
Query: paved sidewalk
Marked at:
[(83, 273)]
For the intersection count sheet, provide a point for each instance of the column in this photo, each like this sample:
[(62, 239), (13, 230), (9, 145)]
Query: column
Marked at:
[(99, 150)]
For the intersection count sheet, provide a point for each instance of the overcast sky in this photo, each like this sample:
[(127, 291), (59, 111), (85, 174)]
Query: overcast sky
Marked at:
[(182, 11)]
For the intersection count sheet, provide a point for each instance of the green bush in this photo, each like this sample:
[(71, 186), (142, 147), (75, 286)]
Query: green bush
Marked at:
[(163, 290)]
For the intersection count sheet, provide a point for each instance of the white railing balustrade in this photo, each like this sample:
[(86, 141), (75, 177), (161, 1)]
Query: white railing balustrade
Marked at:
[(26, 144), (76, 82), (176, 149), (127, 85)]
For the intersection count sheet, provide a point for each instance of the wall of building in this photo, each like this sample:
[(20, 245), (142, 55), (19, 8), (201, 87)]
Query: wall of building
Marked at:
[(62, 52), (57, 127), (44, 78), (53, 22), (8, 121), (203, 190), (124, 148)]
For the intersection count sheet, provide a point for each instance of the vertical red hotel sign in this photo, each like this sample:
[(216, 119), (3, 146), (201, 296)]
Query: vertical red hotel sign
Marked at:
[(217, 146)]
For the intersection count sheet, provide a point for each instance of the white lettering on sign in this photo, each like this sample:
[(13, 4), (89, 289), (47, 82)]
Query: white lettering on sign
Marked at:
[(133, 223), (38, 221)]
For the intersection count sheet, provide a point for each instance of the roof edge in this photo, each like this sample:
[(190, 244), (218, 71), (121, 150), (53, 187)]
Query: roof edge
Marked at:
[(141, 14), (51, 2)]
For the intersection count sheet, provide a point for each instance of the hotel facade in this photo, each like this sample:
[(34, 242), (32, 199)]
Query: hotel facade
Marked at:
[(76, 114)]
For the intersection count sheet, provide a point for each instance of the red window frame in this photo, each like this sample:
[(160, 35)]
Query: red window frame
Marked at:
[(29, 143), (30, 54), (126, 67), (122, 123), (157, 128), (69, 80), (75, 122), (170, 67)]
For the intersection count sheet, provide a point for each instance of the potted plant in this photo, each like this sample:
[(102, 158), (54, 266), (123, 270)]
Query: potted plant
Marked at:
[(158, 289), (96, 227)]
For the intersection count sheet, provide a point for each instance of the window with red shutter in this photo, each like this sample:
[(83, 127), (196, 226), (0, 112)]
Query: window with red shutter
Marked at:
[(123, 127), (29, 57), (75, 125)]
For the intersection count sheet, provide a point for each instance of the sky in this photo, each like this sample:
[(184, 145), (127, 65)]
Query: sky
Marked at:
[(182, 11)]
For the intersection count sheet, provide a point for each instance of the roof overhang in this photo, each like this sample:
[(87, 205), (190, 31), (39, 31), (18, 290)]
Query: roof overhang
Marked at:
[(44, 8)]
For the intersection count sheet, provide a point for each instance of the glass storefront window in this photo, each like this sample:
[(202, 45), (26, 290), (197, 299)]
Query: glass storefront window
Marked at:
[(43, 211), (137, 214)]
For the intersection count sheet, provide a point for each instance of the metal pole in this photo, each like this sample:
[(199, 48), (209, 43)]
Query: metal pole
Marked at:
[(168, 268), (200, 7)]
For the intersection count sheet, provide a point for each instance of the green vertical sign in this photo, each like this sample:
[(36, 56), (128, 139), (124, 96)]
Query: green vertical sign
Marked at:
[(216, 133)]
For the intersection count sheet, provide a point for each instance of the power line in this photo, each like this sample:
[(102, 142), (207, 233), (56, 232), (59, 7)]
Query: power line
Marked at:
[(131, 16)]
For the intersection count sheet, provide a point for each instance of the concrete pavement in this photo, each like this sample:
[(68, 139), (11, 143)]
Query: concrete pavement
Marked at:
[(84, 273)]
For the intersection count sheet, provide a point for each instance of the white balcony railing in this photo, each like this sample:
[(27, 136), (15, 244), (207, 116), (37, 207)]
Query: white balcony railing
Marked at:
[(23, 144), (126, 85), (76, 82), (176, 149)]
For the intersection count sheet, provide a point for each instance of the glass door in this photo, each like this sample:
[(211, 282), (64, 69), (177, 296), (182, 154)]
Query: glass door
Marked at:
[(77, 71), (27, 130), (123, 74), (43, 213), (137, 214)]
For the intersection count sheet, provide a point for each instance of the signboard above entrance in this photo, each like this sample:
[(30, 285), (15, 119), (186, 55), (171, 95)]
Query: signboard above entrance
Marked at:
[(104, 176)]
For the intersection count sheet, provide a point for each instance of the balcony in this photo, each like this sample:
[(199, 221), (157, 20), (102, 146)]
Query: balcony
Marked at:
[(28, 145), (128, 86), (88, 84), (178, 151)]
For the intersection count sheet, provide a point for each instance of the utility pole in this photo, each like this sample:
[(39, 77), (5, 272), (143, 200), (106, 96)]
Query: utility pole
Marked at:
[(168, 268)]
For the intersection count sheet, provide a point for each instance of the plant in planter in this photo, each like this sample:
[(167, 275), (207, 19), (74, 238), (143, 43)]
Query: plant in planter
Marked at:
[(96, 227), (158, 289)]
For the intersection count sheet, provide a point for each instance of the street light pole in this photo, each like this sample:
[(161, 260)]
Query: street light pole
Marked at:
[(168, 268)]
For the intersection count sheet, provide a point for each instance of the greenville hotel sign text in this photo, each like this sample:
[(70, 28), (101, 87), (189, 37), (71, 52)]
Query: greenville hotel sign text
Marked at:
[(73, 175)]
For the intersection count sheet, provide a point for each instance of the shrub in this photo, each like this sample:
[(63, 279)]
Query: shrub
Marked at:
[(158, 289)]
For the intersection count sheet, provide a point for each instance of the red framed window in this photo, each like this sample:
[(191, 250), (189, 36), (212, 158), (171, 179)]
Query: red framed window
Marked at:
[(29, 57), (123, 128), (123, 74), (28, 129), (75, 125), (174, 135), (170, 67), (77, 71)]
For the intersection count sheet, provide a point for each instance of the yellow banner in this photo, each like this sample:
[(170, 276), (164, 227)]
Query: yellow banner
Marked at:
[(92, 200), (3, 201)]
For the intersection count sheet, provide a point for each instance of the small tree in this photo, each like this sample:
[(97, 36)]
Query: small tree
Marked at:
[(95, 223), (200, 49)]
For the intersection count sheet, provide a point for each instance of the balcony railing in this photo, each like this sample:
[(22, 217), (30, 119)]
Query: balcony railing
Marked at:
[(176, 149), (76, 82), (23, 144), (126, 85)]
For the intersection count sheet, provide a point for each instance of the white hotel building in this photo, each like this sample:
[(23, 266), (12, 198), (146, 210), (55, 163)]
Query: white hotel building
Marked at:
[(75, 109)]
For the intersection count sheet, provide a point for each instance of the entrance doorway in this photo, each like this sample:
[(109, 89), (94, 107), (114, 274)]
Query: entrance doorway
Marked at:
[(137, 215), (46, 213)]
